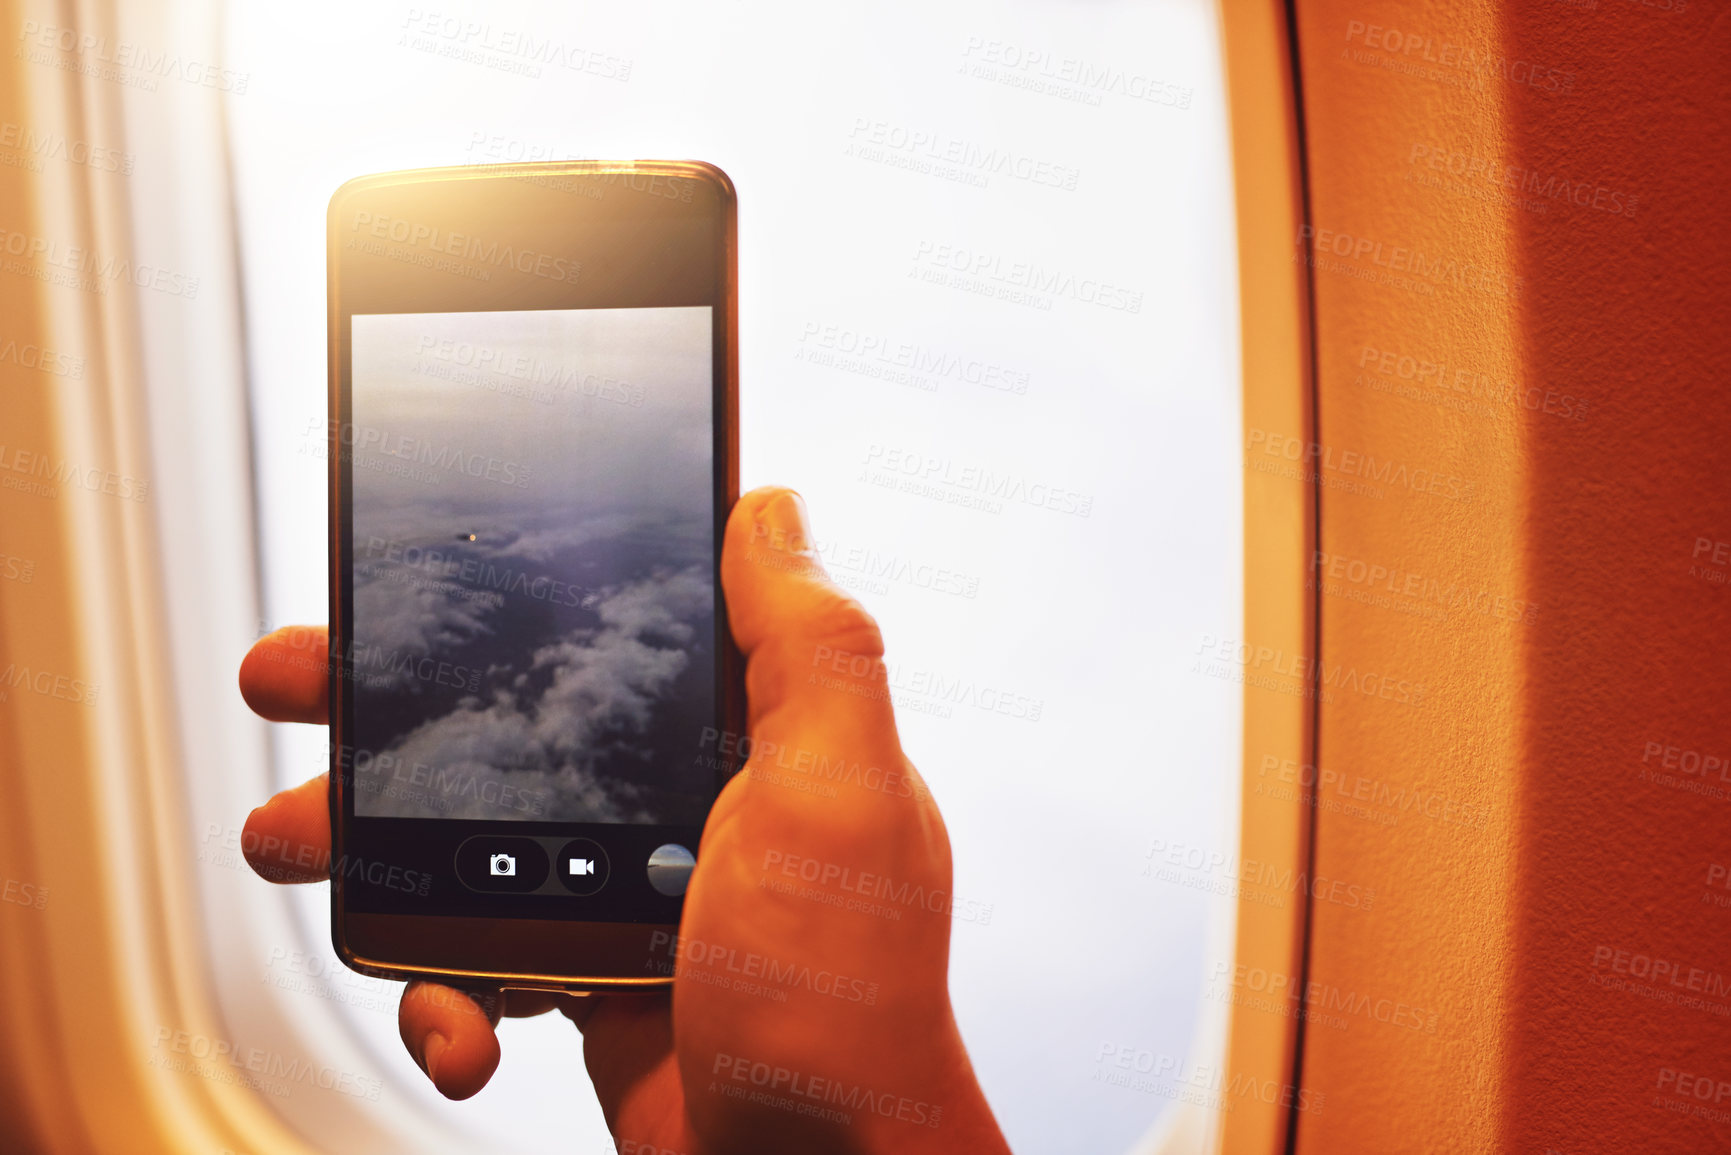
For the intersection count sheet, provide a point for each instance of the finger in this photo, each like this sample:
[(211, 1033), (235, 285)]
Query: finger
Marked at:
[(628, 1050), (285, 677), (523, 1004), (450, 1034), (288, 839), (814, 656)]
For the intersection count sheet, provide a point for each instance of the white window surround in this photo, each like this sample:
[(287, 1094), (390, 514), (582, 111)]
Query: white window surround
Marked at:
[(1097, 618)]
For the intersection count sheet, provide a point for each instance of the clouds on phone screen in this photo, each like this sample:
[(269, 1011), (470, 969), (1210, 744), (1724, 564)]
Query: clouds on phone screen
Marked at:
[(594, 701)]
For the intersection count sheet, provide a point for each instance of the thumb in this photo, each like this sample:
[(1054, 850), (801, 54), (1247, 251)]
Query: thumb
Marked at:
[(814, 656), (825, 794)]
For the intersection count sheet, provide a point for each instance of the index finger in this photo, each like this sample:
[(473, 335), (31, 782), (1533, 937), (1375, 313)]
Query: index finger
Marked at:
[(285, 677)]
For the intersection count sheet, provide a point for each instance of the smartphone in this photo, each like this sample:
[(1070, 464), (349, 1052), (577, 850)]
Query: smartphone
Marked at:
[(533, 451)]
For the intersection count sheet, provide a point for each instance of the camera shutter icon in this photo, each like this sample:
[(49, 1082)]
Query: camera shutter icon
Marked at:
[(502, 865)]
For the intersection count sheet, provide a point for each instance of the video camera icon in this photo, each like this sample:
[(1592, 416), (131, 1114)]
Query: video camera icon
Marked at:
[(582, 866)]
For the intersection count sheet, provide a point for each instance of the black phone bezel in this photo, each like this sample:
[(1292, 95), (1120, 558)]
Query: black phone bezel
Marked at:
[(638, 240)]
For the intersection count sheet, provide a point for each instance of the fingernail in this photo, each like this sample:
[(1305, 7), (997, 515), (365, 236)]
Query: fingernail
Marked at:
[(430, 1052), (784, 516)]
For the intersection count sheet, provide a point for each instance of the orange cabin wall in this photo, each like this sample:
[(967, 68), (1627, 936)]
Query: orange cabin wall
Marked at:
[(1509, 1029)]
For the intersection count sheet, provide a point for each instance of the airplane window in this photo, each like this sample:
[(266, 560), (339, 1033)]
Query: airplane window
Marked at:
[(989, 329)]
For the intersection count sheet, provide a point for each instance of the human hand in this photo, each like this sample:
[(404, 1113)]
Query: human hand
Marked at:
[(810, 1006)]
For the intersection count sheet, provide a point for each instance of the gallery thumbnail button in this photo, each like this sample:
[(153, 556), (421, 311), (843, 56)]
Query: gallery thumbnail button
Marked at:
[(670, 868)]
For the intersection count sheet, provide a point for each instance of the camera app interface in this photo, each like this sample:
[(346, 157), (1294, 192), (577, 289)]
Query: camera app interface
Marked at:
[(534, 607)]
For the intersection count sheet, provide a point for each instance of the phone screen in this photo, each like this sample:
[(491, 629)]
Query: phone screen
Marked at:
[(533, 601), (530, 437)]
